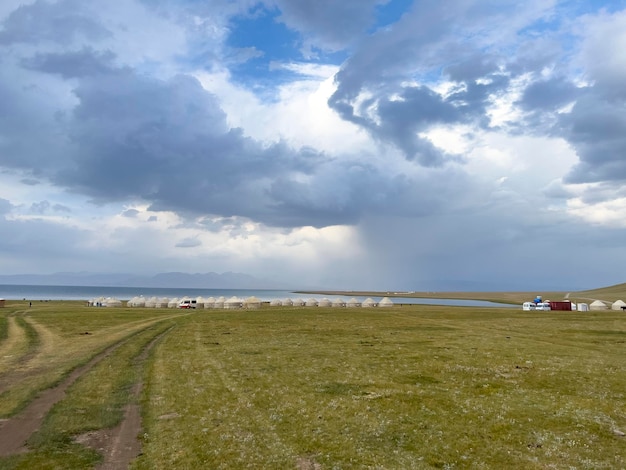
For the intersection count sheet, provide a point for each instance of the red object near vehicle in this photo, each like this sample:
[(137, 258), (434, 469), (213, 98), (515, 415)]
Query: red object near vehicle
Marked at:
[(565, 305)]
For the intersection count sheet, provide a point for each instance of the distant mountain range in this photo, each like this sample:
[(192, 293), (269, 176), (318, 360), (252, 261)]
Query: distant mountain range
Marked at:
[(210, 280)]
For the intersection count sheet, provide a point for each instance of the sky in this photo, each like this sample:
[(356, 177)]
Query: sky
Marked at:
[(354, 144)]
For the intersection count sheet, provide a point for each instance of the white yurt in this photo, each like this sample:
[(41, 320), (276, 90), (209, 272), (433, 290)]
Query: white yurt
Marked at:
[(598, 305), (582, 307), (162, 302), (151, 302), (618, 305), (311, 302), (298, 303), (338, 302), (324, 303), (287, 302), (369, 302), (173, 303), (353, 303), (233, 303), (111, 302), (276, 303), (209, 302), (385, 302), (219, 302), (252, 303), (139, 301)]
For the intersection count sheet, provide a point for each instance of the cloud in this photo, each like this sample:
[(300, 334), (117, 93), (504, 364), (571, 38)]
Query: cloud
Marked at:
[(61, 22), (189, 243)]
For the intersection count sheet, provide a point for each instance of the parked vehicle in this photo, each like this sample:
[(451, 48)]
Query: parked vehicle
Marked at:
[(188, 303)]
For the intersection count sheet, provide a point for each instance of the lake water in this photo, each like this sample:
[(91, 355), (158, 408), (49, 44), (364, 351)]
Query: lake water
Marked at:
[(37, 293)]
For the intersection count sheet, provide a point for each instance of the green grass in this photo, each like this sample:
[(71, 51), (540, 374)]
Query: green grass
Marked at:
[(4, 328), (419, 387), (398, 388)]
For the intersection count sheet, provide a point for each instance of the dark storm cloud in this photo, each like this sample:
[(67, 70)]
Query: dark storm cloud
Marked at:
[(421, 46), (61, 22), (168, 142), (549, 95), (331, 24), (83, 63), (596, 127)]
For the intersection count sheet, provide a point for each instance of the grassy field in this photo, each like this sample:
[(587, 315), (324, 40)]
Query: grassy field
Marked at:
[(324, 388)]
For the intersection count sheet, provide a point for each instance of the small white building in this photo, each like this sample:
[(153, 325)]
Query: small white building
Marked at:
[(385, 302), (276, 303), (339, 302), (598, 305), (618, 305), (368, 303), (352, 303), (311, 302), (234, 303), (324, 303), (252, 303)]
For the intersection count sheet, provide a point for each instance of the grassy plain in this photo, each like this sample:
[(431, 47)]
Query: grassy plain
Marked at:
[(319, 388)]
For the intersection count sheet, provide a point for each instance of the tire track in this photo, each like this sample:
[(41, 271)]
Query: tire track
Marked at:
[(15, 431), (120, 445)]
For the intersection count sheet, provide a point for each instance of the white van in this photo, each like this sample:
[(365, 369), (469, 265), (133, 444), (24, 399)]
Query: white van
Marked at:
[(188, 303)]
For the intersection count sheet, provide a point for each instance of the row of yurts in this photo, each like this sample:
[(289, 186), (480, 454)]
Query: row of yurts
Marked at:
[(599, 305), (581, 307), (236, 302)]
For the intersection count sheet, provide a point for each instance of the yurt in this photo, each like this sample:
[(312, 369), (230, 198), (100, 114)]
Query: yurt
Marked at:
[(311, 302), (209, 302), (298, 303), (162, 302), (252, 303), (353, 303), (276, 303), (173, 303), (140, 301), (385, 302), (618, 305), (287, 302), (219, 302), (582, 307), (200, 302), (338, 302), (151, 302), (324, 303), (369, 302), (111, 302), (233, 303), (598, 305)]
